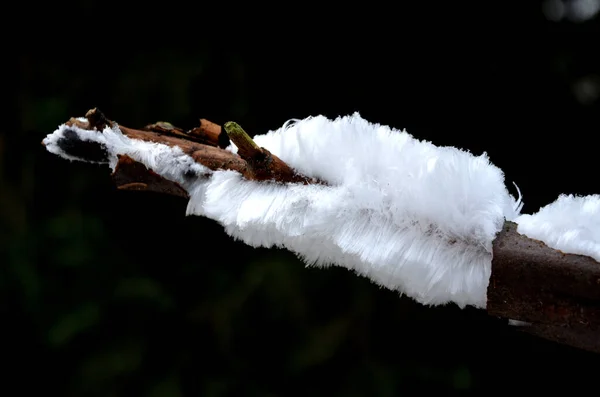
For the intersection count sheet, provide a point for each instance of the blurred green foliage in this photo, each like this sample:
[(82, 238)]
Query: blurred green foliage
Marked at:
[(109, 293)]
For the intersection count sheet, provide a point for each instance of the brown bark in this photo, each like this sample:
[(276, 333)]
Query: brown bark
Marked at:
[(131, 175), (558, 293)]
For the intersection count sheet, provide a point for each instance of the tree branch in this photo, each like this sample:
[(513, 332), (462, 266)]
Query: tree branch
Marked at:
[(558, 293)]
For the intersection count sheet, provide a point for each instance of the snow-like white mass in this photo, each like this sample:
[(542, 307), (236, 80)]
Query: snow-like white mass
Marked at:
[(409, 215), (570, 224)]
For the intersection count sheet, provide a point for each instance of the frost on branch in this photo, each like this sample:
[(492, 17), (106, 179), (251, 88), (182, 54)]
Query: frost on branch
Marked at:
[(410, 216), (570, 224), (430, 222)]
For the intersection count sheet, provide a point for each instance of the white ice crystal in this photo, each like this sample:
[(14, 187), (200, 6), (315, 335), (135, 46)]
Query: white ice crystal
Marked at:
[(412, 217), (570, 224)]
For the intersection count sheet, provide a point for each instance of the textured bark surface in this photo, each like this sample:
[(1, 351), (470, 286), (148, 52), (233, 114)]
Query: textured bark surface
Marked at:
[(131, 175), (558, 293)]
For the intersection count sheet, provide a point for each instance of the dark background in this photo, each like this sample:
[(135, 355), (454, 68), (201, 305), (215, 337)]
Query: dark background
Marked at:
[(110, 293)]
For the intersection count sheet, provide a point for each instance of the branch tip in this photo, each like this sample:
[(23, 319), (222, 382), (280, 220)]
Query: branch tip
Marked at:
[(247, 148), (97, 119), (211, 134)]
